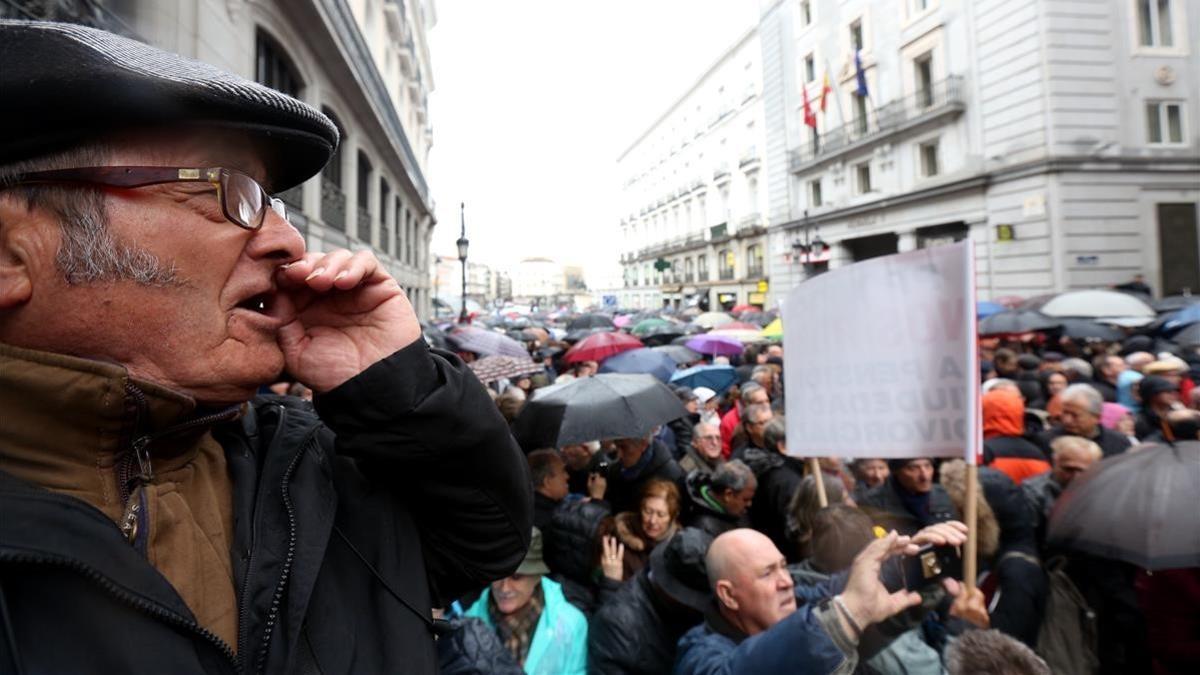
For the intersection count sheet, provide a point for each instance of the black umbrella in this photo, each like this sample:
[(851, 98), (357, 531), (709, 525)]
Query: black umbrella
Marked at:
[(435, 337), (1188, 337), (679, 353), (609, 405), (578, 334), (1139, 506), (1083, 329), (659, 338), (1174, 303), (590, 321), (1016, 321)]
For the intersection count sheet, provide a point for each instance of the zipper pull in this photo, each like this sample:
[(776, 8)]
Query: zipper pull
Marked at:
[(129, 521), (140, 451)]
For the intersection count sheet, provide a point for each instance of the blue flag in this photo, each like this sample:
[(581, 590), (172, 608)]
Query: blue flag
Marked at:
[(859, 76)]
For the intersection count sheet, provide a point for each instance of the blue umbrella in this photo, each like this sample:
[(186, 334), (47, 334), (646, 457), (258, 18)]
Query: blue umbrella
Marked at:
[(985, 309), (642, 360), (1189, 314), (717, 378)]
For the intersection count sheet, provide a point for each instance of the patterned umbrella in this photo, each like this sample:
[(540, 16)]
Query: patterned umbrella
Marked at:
[(492, 368), (486, 342), (600, 346), (715, 345)]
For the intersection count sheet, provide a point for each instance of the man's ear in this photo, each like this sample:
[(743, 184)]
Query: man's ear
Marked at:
[(16, 251), (724, 593)]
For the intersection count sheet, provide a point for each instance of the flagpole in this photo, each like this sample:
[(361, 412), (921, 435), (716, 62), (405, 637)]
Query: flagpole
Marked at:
[(837, 98)]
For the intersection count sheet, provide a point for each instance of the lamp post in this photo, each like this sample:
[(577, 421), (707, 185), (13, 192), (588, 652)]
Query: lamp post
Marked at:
[(806, 248), (462, 258)]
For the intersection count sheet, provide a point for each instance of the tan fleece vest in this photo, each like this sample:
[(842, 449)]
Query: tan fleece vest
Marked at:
[(65, 424)]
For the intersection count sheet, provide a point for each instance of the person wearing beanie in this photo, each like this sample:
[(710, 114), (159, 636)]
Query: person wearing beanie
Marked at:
[(910, 499), (1029, 382), (1159, 396), (1004, 447)]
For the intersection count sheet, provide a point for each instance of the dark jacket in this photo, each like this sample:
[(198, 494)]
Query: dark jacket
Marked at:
[(682, 430), (347, 530), (704, 514), (1110, 442), (636, 631), (884, 505), (543, 510), (624, 492), (1040, 493), (1015, 456), (571, 550), (471, 647), (778, 478), (1023, 585)]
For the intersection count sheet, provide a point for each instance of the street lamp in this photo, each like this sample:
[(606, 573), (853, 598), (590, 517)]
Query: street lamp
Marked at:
[(807, 248), (462, 258)]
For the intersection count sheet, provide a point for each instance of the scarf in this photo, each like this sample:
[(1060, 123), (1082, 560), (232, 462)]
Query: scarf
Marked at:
[(516, 630)]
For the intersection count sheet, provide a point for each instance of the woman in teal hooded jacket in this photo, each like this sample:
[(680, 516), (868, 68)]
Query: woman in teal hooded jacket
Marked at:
[(559, 644)]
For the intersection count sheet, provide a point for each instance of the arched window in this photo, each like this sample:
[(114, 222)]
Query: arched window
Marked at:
[(333, 192), (754, 261), (274, 68), (725, 263)]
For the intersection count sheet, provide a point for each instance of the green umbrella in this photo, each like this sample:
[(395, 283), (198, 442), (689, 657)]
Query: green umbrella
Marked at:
[(650, 326)]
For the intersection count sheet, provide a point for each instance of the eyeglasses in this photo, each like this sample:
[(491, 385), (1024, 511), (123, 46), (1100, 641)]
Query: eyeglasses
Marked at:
[(708, 438), (243, 201)]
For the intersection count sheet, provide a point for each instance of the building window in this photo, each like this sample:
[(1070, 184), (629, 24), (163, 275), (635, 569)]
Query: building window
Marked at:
[(929, 158), (814, 193), (1154, 23), (754, 261), (333, 197), (856, 35), (397, 248), (860, 114), (725, 263), (806, 15), (363, 229), (923, 79), (385, 197), (810, 68), (862, 178), (1164, 123), (273, 68), (918, 6), (702, 268), (689, 270)]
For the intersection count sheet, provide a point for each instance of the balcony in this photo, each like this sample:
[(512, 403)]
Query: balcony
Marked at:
[(702, 275), (721, 173), (726, 274), (749, 160), (944, 100), (749, 221), (755, 272), (363, 231), (333, 204)]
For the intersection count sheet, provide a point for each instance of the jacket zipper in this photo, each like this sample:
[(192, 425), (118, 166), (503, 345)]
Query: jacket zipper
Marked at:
[(138, 603), (277, 598)]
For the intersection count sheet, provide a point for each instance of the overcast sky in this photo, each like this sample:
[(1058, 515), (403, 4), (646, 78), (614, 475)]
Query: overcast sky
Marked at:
[(535, 99)]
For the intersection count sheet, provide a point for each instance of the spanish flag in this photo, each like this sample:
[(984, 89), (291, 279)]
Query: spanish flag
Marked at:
[(825, 91), (810, 117)]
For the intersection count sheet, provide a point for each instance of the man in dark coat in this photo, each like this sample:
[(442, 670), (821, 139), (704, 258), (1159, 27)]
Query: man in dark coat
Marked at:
[(720, 501), (778, 477), (635, 632), (1081, 408), (549, 475), (909, 500), (638, 461), (158, 518)]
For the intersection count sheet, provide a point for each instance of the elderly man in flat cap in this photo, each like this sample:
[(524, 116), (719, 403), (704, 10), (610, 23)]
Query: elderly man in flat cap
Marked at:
[(156, 517)]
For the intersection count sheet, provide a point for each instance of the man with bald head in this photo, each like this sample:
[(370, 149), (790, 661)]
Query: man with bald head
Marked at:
[(755, 626)]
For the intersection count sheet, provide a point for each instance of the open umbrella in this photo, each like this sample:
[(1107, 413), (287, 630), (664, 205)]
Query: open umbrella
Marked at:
[(434, 336), (653, 326), (492, 368), (622, 321), (740, 334), (1139, 507), (1185, 316), (590, 321), (1173, 303), (985, 309), (1083, 329), (600, 346), (578, 334), (1016, 321), (757, 318), (743, 308), (678, 353), (604, 406), (485, 342), (1188, 337), (712, 319), (643, 360), (774, 330), (1092, 304), (717, 378), (716, 345)]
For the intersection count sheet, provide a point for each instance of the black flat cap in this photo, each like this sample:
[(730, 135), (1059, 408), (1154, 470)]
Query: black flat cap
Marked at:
[(63, 84)]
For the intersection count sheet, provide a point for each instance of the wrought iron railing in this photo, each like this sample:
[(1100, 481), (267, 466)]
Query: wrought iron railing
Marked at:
[(333, 204)]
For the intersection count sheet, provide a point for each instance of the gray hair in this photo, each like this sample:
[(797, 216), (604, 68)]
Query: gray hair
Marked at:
[(1080, 368), (1086, 393), (748, 389), (754, 410), (775, 433), (1068, 443), (990, 652), (762, 370), (732, 475), (699, 428), (999, 383), (88, 253)]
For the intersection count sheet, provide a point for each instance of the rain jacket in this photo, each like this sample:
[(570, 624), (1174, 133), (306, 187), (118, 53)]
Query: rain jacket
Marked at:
[(559, 645), (778, 478), (471, 647), (571, 546), (1004, 448), (347, 529), (635, 632)]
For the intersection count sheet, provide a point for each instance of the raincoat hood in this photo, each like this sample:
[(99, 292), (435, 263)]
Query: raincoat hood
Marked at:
[(1003, 414)]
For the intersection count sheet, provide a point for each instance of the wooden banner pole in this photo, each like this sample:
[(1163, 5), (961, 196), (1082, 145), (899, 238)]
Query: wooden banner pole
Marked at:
[(814, 468), (970, 573)]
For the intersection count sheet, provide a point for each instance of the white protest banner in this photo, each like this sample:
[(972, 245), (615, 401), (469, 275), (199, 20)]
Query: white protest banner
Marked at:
[(881, 358)]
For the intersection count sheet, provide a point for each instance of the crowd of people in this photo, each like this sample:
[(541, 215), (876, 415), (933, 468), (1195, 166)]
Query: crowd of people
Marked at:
[(704, 547)]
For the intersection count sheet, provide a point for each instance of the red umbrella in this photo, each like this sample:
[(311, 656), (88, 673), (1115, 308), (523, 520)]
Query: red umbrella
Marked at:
[(744, 308), (600, 346), (739, 325)]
